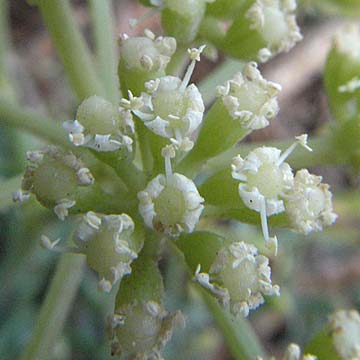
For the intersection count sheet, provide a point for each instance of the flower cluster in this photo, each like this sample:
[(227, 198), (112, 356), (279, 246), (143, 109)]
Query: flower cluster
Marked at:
[(158, 141)]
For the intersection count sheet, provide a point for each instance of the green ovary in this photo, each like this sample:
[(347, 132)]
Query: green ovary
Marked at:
[(170, 206), (54, 181), (140, 331), (169, 103), (251, 97), (237, 281), (101, 255), (268, 180), (98, 116)]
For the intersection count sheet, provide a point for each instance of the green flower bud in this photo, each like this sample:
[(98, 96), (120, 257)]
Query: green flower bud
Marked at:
[(98, 126), (182, 19), (141, 326), (143, 59), (54, 178), (263, 29), (239, 278), (342, 74)]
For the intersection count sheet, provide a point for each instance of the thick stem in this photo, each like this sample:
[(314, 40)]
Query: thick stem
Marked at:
[(11, 115), (71, 48), (55, 308), (103, 23)]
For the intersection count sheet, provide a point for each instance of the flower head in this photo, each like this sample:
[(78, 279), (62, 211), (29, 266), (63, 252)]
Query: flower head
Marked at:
[(345, 327), (170, 203), (98, 126), (239, 277), (249, 98), (309, 203), (108, 243), (53, 177), (276, 23), (265, 178), (140, 330), (171, 108)]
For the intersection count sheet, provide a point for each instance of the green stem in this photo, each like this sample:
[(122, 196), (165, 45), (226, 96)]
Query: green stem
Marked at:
[(55, 308), (71, 48), (103, 21), (178, 62), (239, 335), (11, 115)]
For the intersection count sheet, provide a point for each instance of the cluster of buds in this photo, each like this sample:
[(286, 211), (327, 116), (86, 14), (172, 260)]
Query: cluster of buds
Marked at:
[(267, 185), (54, 177)]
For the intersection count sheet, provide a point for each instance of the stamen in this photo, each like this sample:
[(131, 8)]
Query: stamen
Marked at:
[(48, 244), (194, 55), (300, 140), (168, 152)]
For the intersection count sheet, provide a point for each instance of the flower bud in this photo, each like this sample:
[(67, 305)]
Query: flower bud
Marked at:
[(142, 59), (239, 278), (97, 126), (342, 73), (263, 29), (309, 204), (54, 178), (345, 329), (182, 19), (109, 245), (140, 326), (247, 102)]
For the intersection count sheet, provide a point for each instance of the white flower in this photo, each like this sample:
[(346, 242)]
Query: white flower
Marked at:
[(345, 328), (171, 108), (53, 177), (239, 277), (264, 181), (249, 98), (107, 243), (276, 23), (309, 203), (98, 126), (170, 203), (140, 331)]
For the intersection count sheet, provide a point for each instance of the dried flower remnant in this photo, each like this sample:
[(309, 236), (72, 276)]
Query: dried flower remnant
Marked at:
[(239, 278), (309, 203)]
